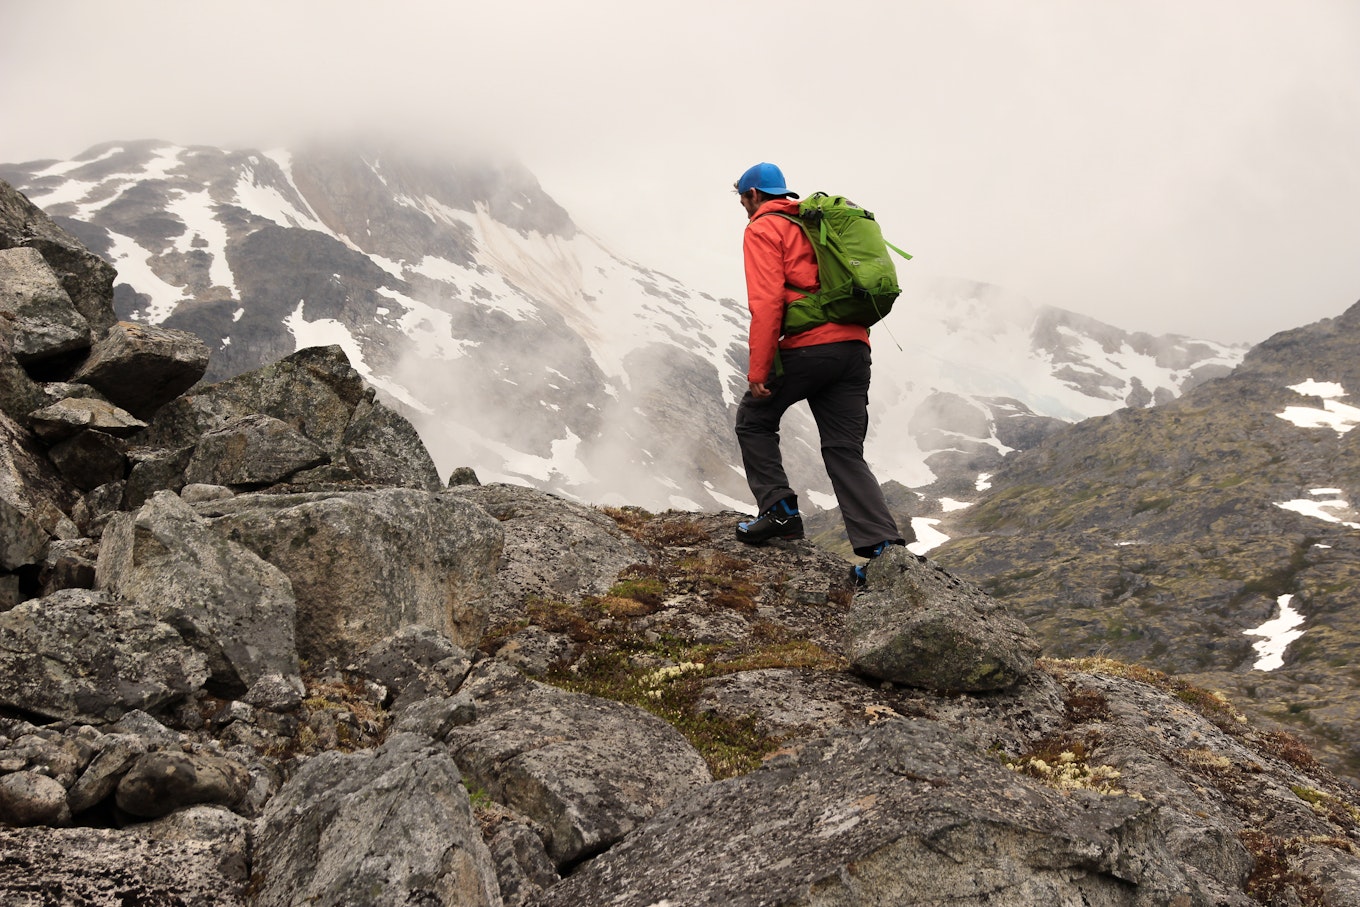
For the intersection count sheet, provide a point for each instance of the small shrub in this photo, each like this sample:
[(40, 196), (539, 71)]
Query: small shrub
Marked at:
[(646, 591), (1291, 749), (1274, 879)]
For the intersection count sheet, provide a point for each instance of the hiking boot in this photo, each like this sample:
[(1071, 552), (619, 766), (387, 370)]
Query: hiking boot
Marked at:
[(859, 573), (779, 522)]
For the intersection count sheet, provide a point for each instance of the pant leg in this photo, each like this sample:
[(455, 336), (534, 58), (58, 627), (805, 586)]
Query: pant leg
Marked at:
[(841, 409), (758, 437), (758, 423)]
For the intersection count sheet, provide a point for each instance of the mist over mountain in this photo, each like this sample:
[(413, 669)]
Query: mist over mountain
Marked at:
[(522, 346)]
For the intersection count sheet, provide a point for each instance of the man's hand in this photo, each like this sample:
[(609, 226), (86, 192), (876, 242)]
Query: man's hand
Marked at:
[(758, 389)]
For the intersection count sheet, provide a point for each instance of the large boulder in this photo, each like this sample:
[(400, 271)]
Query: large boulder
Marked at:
[(30, 798), (19, 394), (918, 625), (554, 549), (141, 367), (198, 856), (321, 396), (87, 278), (30, 484), (36, 312), (78, 654), (893, 814), (70, 416), (251, 451), (227, 601), (364, 565), (22, 540), (588, 770), (158, 783), (391, 826), (90, 459)]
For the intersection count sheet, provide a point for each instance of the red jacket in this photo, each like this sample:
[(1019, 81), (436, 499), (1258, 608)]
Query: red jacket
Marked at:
[(778, 254)]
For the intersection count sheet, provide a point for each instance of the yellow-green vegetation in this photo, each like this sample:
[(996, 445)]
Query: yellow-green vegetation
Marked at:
[(477, 794), (1062, 763), (671, 692), (335, 715), (625, 656), (1206, 761), (792, 653), (645, 590), (1328, 807)]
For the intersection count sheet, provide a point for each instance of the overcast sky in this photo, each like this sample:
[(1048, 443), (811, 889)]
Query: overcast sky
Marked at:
[(1171, 166)]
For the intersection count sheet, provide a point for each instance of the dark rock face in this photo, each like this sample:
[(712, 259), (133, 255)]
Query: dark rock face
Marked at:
[(1164, 535), (141, 367)]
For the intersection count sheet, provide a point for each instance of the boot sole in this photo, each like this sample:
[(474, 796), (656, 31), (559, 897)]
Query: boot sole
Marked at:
[(790, 537)]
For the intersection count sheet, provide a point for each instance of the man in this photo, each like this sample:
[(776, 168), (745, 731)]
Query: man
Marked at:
[(828, 366)]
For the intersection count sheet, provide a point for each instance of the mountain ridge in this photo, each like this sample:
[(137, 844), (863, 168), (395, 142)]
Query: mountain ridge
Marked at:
[(519, 343)]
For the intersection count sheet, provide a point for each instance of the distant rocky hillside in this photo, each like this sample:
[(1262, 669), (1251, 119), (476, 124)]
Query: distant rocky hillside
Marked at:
[(475, 306), (254, 652), (1168, 536)]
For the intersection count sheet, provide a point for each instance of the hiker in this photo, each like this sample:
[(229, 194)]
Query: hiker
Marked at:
[(827, 365)]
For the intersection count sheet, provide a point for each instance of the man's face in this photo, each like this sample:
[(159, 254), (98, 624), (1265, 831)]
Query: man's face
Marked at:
[(748, 201)]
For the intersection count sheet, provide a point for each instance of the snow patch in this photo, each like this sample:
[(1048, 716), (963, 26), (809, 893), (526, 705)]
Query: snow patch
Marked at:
[(1277, 634), (133, 263), (823, 500), (1340, 417), (329, 332), (1331, 510), (927, 536), (196, 210)]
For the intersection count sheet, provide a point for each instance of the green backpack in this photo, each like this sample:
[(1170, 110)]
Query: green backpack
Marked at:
[(857, 277)]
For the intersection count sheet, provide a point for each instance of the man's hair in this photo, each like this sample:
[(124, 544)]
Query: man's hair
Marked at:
[(763, 197)]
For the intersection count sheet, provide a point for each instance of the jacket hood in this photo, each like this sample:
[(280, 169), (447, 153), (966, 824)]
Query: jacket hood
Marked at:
[(777, 205)]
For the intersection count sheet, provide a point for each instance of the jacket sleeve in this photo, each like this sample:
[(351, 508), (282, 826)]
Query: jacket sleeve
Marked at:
[(763, 251)]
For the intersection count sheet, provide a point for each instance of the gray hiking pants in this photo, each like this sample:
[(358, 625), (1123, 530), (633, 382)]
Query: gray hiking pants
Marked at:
[(834, 379)]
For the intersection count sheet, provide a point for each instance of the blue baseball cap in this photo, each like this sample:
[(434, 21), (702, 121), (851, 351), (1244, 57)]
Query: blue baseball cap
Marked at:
[(767, 178)]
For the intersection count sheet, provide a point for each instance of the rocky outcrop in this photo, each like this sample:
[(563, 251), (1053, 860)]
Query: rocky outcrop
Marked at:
[(920, 626), (893, 814), (86, 278), (229, 603), (388, 826), (569, 762), (317, 395), (365, 564)]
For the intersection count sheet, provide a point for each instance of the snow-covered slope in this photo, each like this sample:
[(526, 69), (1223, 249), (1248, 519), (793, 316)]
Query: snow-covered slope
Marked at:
[(523, 347)]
